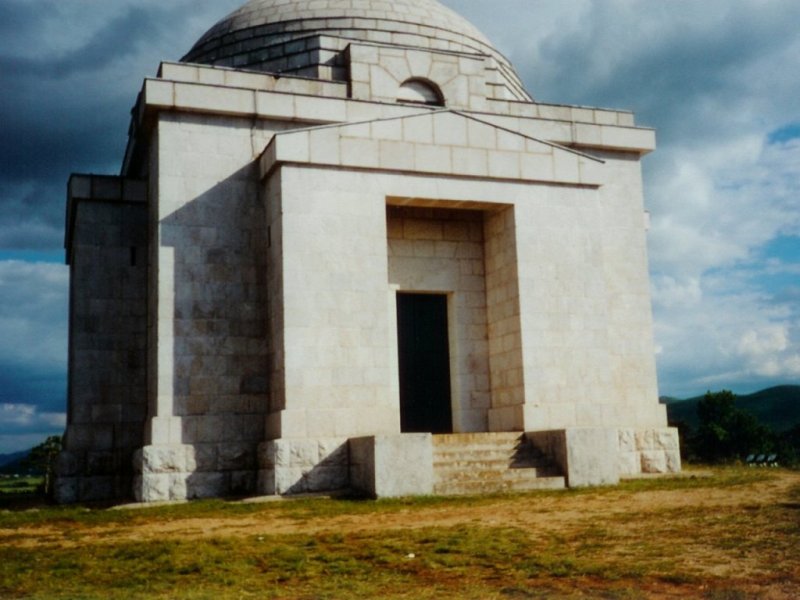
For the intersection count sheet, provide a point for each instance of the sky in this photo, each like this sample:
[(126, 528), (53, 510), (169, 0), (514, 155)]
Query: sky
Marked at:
[(718, 79)]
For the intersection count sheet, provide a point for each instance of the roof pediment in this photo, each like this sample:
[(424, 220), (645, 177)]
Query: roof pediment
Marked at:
[(444, 142)]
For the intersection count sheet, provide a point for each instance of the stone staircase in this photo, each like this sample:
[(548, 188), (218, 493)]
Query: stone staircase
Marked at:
[(481, 463)]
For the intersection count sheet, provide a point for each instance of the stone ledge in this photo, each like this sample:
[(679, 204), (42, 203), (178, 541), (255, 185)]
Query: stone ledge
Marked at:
[(224, 91)]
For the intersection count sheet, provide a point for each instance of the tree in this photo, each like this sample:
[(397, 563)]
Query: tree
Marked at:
[(42, 458), (790, 446), (726, 433)]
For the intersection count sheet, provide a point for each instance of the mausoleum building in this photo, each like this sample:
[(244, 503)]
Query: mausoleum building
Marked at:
[(348, 250)]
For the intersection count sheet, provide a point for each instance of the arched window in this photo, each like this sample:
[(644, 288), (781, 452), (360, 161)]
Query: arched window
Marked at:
[(420, 91)]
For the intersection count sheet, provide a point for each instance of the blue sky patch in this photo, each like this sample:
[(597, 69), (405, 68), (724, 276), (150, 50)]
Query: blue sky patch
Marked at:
[(34, 256), (783, 276), (785, 247), (784, 134)]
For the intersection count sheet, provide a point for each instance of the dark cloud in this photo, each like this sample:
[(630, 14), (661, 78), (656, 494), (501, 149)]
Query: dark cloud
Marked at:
[(33, 317), (64, 108), (67, 110), (32, 215), (46, 389), (19, 18), (53, 132), (681, 66), (119, 38)]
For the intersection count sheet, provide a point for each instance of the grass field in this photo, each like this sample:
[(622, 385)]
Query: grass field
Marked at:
[(731, 534), (10, 486)]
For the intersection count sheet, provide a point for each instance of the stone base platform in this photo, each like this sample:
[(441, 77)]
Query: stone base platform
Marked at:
[(384, 466)]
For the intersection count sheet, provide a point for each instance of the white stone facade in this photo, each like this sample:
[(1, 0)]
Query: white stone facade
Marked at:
[(278, 217)]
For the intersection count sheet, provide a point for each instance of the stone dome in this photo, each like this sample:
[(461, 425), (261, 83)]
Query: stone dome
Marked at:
[(263, 34)]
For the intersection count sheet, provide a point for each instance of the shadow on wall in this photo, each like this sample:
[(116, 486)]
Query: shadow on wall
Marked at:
[(304, 466), (218, 309)]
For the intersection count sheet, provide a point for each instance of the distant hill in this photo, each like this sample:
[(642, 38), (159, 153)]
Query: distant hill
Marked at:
[(10, 463), (777, 407), (13, 457)]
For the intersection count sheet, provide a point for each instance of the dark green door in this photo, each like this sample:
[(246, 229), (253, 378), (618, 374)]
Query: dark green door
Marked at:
[(424, 357)]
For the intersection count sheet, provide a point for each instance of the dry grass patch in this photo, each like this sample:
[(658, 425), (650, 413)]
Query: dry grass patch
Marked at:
[(734, 534)]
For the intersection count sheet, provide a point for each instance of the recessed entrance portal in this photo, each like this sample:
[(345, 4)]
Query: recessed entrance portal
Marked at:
[(424, 361)]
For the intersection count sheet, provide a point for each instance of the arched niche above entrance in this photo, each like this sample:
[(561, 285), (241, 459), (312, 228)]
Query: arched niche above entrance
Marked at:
[(420, 91)]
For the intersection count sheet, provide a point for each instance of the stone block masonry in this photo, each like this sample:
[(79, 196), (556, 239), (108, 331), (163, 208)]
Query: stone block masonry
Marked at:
[(106, 397), (234, 323)]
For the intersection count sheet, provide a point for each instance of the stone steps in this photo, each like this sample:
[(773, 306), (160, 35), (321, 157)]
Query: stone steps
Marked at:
[(461, 470), (474, 488), (481, 463)]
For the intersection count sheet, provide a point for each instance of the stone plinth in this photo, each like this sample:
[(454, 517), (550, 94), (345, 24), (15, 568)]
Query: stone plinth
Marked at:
[(303, 466), (392, 466), (649, 451), (586, 456)]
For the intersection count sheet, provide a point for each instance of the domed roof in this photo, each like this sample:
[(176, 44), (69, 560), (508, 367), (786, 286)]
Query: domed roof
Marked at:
[(261, 31)]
